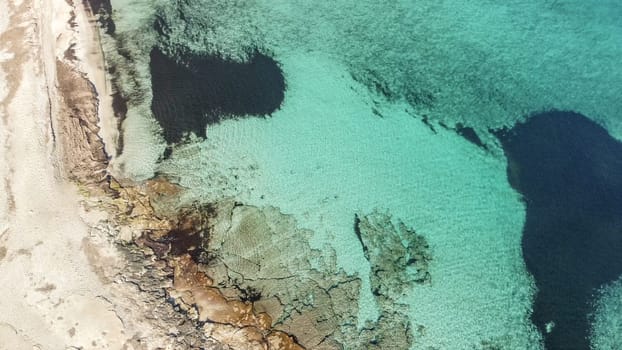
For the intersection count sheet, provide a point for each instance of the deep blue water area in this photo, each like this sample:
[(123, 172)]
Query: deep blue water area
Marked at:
[(569, 170), (191, 92)]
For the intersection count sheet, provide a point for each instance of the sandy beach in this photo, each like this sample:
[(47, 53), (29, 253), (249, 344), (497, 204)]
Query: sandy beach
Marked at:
[(84, 262), (56, 274)]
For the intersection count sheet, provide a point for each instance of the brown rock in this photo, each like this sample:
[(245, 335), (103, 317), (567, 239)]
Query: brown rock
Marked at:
[(82, 150)]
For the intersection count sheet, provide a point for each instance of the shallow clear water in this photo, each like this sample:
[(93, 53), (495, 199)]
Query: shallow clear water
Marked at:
[(373, 115)]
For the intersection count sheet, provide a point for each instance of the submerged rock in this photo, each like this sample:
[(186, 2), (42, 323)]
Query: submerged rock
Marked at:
[(399, 257), (261, 254)]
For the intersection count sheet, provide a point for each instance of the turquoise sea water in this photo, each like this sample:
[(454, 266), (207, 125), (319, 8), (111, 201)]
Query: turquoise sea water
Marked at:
[(410, 108)]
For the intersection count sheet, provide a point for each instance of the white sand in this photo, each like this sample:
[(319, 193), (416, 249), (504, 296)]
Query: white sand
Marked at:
[(4, 22), (52, 298), (46, 281)]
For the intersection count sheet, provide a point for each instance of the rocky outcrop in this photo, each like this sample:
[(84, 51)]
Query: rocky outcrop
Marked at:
[(175, 245), (243, 275), (163, 242), (247, 277), (84, 159), (233, 276), (260, 255), (230, 276)]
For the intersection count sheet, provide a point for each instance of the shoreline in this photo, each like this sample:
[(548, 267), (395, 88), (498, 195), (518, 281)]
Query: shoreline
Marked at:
[(160, 243), (95, 68), (48, 281), (66, 283), (96, 250), (131, 209)]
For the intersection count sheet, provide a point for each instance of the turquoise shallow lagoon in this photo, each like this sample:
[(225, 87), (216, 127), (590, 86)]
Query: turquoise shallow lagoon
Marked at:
[(346, 160), (390, 107)]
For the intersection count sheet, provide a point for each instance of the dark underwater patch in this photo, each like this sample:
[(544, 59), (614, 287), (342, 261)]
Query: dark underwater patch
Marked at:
[(470, 135), (569, 170), (192, 92), (103, 10)]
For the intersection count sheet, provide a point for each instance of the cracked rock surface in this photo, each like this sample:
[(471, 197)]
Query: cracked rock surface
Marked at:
[(399, 257)]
